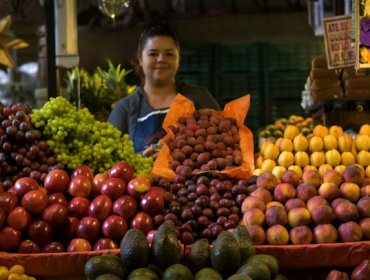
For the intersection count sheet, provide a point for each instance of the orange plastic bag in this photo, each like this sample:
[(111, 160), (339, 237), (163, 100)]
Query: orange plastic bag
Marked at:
[(237, 109)]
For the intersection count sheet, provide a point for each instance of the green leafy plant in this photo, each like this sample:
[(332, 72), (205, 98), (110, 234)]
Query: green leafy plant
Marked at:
[(100, 91)]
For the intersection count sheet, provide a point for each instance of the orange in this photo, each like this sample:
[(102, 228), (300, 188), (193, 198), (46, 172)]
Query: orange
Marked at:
[(286, 159), (332, 157), (315, 144), (347, 158), (300, 143), (291, 131), (317, 159), (330, 142), (336, 131), (320, 131), (365, 129), (286, 145)]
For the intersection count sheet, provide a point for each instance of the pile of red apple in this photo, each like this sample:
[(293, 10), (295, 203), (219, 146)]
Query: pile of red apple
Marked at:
[(311, 209), (77, 212)]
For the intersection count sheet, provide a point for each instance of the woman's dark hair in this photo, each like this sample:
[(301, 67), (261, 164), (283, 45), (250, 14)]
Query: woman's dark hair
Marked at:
[(153, 29)]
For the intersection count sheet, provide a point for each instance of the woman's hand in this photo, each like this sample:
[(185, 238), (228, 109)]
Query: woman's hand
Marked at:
[(152, 150)]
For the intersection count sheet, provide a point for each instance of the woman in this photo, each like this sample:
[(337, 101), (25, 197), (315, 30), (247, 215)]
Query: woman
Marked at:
[(141, 114)]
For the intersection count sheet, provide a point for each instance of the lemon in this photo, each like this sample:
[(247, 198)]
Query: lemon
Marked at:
[(14, 276), (4, 274), (301, 159), (330, 142), (286, 159), (365, 129), (300, 143), (291, 131), (336, 131), (271, 152), (347, 158), (315, 144), (268, 165), (278, 171), (317, 158), (363, 158), (320, 131), (286, 145), (257, 172), (18, 269)]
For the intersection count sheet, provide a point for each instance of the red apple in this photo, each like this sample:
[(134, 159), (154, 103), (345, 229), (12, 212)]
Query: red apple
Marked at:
[(28, 247), (78, 207), (57, 198), (57, 180), (9, 239), (79, 245), (71, 229), (125, 206), (2, 218), (24, 185), (88, 228), (56, 215), (104, 244), (53, 247), (114, 227), (122, 170), (100, 207), (152, 202), (35, 201), (8, 201), (40, 232), (150, 236), (83, 170), (19, 218), (136, 187), (97, 182), (79, 186), (142, 221), (113, 188)]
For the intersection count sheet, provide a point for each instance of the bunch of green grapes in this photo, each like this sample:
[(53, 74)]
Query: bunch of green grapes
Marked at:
[(77, 138)]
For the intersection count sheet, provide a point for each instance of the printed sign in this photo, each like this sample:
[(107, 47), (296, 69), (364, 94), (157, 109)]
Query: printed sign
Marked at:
[(340, 51)]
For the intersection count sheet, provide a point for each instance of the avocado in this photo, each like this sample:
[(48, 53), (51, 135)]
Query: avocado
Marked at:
[(135, 249), (104, 264), (177, 272), (156, 269), (142, 274), (199, 255), (239, 277), (255, 270), (225, 254), (270, 261), (207, 273), (244, 240), (108, 277), (166, 249)]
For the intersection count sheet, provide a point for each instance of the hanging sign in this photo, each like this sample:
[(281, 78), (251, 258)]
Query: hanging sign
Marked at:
[(340, 51)]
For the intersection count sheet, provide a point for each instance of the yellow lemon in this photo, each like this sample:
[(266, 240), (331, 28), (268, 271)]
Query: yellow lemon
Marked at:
[(365, 129), (263, 146), (14, 276), (315, 144), (367, 171), (363, 158), (286, 159), (259, 161), (317, 159), (18, 269), (347, 158), (345, 143), (332, 157), (301, 159), (362, 142), (257, 171), (320, 131), (297, 169), (300, 143), (336, 131), (271, 152), (340, 168), (268, 165), (330, 142), (286, 145), (291, 131), (323, 168), (4, 274), (278, 171)]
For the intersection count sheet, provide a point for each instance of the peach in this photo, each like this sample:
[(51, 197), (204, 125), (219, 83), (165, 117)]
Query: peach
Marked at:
[(322, 214), (350, 232), (336, 201), (299, 217), (332, 176), (353, 174), (365, 226), (346, 211), (337, 275), (290, 177), (361, 271), (277, 235), (276, 215), (363, 206), (350, 191), (305, 191), (253, 216), (284, 191), (294, 203), (253, 202), (257, 234), (315, 201), (301, 235), (365, 190), (262, 193), (274, 203), (326, 233), (312, 177), (267, 180), (329, 191)]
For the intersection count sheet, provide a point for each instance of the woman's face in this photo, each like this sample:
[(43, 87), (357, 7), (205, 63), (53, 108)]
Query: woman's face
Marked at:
[(159, 60)]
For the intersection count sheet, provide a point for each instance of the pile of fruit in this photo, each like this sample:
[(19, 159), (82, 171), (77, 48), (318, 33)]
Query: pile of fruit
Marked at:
[(274, 131), (327, 148), (231, 257), (16, 272)]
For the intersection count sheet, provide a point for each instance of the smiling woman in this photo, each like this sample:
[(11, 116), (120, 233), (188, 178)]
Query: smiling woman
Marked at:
[(157, 61)]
